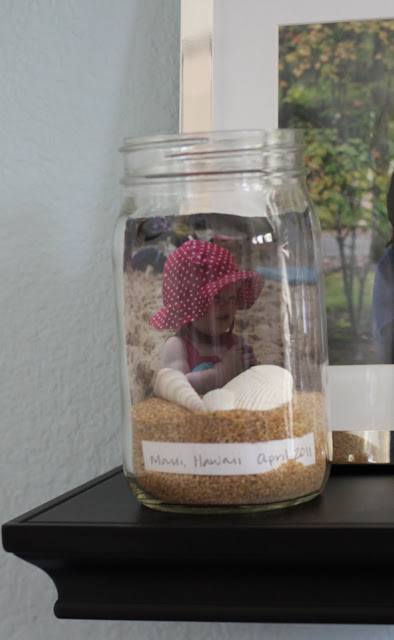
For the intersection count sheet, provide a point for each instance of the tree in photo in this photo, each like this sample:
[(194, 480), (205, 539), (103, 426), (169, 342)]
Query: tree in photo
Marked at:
[(336, 81)]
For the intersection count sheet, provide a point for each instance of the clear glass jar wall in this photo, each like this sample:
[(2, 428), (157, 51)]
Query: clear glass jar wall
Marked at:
[(223, 348)]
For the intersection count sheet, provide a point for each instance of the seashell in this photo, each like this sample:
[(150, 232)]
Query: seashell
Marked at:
[(219, 400), (172, 385), (261, 388)]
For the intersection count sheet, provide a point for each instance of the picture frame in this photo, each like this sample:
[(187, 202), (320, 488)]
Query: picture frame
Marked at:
[(243, 54)]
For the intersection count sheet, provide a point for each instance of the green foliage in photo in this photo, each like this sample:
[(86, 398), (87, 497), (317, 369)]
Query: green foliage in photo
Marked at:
[(336, 81)]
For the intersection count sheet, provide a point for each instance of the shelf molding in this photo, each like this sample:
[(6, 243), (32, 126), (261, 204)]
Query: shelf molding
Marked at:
[(327, 561)]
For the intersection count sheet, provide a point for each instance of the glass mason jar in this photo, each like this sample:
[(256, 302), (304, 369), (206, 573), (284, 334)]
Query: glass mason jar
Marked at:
[(218, 276)]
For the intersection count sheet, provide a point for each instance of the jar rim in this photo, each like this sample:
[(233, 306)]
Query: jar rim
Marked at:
[(247, 138), (194, 156)]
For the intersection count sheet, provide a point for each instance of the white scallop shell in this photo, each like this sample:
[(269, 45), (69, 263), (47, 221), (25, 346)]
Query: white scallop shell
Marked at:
[(172, 385), (261, 388), (219, 400)]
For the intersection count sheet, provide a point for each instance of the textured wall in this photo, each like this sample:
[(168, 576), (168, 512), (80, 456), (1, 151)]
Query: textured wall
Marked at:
[(76, 76)]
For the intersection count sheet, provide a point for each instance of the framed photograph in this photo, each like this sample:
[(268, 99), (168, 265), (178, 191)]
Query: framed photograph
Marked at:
[(326, 68)]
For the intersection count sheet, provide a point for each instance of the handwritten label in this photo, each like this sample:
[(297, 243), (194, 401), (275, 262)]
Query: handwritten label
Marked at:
[(227, 459)]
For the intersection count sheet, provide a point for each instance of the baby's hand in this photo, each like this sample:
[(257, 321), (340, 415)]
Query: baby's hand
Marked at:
[(236, 360), (249, 358)]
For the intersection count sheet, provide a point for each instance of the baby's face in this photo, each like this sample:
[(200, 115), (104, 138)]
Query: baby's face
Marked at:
[(221, 312)]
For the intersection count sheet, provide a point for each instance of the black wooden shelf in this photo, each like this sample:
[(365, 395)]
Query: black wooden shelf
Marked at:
[(330, 560)]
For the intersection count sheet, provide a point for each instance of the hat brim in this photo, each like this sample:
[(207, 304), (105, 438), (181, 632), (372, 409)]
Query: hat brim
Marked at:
[(175, 315)]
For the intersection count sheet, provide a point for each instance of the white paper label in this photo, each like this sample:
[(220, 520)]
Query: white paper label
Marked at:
[(227, 459)]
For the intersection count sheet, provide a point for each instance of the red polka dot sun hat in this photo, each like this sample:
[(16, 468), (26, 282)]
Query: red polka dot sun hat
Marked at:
[(192, 276)]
